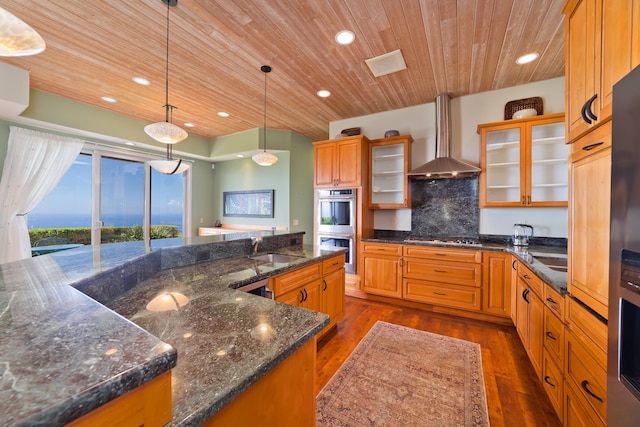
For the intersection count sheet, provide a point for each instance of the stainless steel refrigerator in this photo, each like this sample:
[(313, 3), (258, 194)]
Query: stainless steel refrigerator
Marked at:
[(623, 370)]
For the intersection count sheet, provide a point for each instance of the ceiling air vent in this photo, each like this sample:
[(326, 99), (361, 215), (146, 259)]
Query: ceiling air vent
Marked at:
[(387, 63)]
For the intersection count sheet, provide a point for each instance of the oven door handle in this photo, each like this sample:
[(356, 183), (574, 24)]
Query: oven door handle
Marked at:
[(335, 235)]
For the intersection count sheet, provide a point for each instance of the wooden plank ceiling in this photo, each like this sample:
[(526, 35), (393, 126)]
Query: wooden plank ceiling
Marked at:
[(95, 47)]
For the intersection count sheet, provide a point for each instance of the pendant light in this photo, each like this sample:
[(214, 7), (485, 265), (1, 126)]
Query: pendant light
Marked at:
[(265, 158), (166, 132), (17, 38)]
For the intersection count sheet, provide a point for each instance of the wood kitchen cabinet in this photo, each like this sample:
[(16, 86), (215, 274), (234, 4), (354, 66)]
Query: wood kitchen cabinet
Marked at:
[(553, 352), (530, 309), (382, 269), (340, 162), (388, 181), (602, 45), (496, 278), (443, 276), (589, 207), (524, 162), (332, 290)]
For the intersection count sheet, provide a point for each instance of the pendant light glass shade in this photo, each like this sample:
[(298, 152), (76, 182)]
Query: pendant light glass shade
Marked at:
[(17, 38), (166, 132), (169, 166), (264, 158)]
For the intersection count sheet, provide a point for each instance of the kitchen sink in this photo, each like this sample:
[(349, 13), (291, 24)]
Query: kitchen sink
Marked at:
[(557, 263), (280, 258)]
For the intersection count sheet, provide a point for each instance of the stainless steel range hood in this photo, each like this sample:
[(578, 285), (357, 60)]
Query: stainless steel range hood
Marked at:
[(443, 166)]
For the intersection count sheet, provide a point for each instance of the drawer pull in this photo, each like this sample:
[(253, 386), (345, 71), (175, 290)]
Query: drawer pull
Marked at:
[(550, 335), (546, 380), (592, 146), (551, 300), (440, 271), (439, 254), (584, 384), (526, 276), (439, 293), (633, 285)]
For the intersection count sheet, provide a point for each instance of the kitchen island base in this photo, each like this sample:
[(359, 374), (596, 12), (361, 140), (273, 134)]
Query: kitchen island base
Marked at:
[(284, 397)]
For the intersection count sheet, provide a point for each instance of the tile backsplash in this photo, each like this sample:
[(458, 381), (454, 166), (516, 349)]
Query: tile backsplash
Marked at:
[(445, 207)]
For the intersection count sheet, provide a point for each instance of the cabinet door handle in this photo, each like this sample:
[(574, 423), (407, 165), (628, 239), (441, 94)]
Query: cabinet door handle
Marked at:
[(588, 107), (439, 293), (585, 386), (524, 295), (306, 294), (301, 299), (513, 264), (522, 203), (592, 146), (546, 380), (528, 200), (440, 271), (324, 287), (583, 113), (550, 335)]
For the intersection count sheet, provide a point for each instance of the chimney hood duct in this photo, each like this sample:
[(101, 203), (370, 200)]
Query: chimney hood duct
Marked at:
[(443, 166)]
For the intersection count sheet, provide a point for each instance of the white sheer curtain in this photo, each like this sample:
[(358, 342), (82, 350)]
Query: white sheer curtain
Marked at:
[(34, 165)]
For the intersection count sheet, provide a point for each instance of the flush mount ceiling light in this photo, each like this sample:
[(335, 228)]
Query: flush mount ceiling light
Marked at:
[(525, 59), (166, 132), (345, 37), (387, 63), (265, 158), (17, 38)]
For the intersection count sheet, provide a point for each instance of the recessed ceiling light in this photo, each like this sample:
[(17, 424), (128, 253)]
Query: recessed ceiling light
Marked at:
[(109, 99), (223, 114), (525, 59), (189, 125), (324, 93), (141, 81), (345, 37)]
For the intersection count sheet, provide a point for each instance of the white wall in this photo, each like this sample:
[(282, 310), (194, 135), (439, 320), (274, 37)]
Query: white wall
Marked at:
[(466, 113)]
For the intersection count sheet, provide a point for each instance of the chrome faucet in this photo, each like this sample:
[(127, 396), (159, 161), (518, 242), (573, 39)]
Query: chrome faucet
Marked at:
[(255, 241)]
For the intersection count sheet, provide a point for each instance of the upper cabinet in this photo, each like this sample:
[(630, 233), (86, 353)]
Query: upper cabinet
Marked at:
[(524, 162), (340, 162), (596, 59), (388, 182)]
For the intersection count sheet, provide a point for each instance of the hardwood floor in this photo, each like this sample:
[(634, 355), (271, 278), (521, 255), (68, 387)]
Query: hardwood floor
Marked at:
[(515, 396)]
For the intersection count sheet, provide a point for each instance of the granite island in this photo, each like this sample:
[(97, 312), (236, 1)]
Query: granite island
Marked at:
[(76, 331)]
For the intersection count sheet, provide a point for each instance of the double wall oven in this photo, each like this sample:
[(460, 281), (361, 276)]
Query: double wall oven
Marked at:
[(336, 221)]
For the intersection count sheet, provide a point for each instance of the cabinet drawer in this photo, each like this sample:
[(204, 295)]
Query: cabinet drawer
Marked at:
[(588, 377), (552, 382), (577, 412), (465, 297), (555, 301), (381, 248), (553, 339), (439, 253), (444, 272), (532, 281), (589, 329), (332, 264), (593, 142), (287, 281)]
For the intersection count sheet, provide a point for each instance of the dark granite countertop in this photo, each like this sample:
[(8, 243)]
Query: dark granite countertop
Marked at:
[(63, 353), (556, 279)]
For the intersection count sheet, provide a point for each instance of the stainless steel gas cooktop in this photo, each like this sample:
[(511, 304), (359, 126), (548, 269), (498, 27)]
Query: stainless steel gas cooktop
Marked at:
[(444, 240)]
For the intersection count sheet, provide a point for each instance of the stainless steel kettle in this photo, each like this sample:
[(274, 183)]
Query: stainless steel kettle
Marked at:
[(520, 234)]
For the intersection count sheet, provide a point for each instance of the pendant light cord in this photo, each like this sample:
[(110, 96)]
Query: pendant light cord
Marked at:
[(265, 107), (166, 81)]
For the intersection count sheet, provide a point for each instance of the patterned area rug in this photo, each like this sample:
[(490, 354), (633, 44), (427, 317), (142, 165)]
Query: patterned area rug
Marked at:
[(399, 376)]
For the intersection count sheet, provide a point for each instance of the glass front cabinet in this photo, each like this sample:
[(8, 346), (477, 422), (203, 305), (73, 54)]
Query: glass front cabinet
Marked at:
[(390, 161), (524, 162)]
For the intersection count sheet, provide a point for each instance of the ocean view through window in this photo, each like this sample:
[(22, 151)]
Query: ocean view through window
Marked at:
[(123, 188)]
